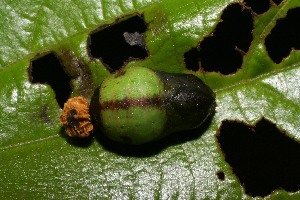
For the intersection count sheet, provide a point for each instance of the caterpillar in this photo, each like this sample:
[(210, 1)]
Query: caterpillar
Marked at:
[(138, 105)]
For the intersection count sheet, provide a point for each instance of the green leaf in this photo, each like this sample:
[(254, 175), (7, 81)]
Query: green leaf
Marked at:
[(38, 162)]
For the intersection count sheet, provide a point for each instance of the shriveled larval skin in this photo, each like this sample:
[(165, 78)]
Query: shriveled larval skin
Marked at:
[(137, 105)]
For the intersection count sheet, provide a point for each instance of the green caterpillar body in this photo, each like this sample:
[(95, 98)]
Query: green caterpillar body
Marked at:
[(137, 105)]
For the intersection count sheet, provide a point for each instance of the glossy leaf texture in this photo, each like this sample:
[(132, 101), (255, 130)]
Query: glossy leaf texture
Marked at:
[(39, 162)]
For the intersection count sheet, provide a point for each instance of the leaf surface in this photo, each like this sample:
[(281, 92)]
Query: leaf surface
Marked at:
[(38, 162)]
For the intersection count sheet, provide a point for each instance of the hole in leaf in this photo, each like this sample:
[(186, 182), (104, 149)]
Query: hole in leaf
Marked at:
[(191, 59), (48, 70), (277, 2), (223, 50), (119, 43), (263, 158), (284, 36), (221, 175), (258, 7)]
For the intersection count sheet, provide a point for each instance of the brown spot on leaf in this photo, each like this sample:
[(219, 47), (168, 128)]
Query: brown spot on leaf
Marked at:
[(78, 69), (44, 115)]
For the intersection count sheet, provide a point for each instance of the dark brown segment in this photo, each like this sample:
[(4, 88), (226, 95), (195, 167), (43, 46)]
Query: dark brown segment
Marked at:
[(188, 101), (127, 103)]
